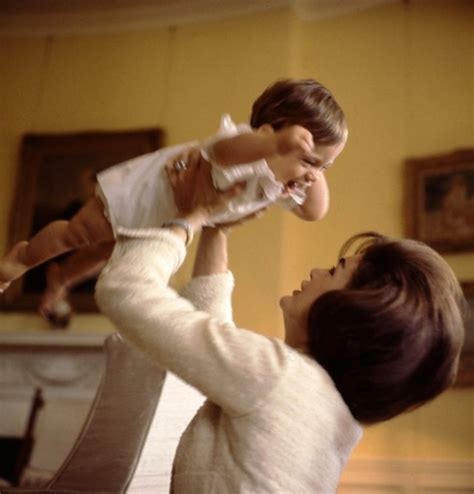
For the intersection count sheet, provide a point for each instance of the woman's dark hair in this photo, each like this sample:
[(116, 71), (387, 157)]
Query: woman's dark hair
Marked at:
[(302, 102), (391, 339)]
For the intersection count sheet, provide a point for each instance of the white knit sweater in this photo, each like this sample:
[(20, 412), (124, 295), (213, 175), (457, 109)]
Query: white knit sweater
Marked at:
[(273, 422)]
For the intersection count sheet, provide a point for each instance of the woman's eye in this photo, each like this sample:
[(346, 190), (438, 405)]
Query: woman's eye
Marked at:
[(332, 270)]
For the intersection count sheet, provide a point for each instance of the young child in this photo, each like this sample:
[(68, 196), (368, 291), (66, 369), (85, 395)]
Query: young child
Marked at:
[(296, 131)]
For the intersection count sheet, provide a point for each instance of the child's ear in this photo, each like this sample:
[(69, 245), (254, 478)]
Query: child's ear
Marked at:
[(265, 129)]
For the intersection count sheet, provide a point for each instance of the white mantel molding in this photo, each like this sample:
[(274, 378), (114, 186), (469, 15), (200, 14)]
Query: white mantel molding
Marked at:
[(67, 367), (51, 340), (60, 363)]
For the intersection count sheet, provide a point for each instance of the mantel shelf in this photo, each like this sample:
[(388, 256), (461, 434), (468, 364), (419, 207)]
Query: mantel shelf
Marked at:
[(57, 339)]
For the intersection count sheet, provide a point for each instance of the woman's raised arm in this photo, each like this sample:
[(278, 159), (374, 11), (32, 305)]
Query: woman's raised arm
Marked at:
[(211, 256)]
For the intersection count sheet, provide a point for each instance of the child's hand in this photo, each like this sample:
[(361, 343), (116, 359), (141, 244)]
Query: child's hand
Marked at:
[(294, 139)]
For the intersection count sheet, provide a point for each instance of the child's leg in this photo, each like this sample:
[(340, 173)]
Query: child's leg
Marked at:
[(89, 226), (78, 267)]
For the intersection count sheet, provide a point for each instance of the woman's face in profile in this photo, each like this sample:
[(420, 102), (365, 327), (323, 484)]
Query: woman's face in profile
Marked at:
[(295, 307)]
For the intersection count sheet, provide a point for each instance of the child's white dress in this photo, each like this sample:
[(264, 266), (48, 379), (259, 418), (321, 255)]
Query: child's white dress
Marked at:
[(137, 194)]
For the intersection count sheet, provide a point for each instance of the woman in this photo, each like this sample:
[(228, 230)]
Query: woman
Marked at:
[(378, 334)]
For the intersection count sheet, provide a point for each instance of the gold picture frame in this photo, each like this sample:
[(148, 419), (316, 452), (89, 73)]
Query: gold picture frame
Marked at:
[(439, 200), (466, 365), (54, 172)]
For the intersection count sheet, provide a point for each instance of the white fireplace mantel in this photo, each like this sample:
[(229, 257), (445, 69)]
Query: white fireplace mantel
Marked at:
[(68, 364), (67, 367), (51, 339)]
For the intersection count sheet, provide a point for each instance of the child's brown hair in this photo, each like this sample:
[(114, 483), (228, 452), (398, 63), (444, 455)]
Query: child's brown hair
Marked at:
[(303, 102)]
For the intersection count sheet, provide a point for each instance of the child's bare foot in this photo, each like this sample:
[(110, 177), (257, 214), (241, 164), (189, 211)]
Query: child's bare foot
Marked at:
[(54, 305), (10, 266), (55, 292), (59, 314)]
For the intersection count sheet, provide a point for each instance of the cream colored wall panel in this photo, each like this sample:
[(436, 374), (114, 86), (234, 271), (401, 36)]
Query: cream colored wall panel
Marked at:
[(407, 476), (443, 426), (374, 63), (365, 489), (105, 82), (222, 67), (439, 76), (181, 79), (404, 75), (347, 55), (396, 438)]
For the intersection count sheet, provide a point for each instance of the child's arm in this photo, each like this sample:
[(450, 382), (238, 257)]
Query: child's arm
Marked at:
[(316, 204), (260, 144)]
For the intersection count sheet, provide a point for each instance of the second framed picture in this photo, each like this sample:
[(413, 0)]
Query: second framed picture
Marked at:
[(440, 200)]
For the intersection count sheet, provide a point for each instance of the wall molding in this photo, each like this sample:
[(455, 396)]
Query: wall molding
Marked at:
[(64, 17)]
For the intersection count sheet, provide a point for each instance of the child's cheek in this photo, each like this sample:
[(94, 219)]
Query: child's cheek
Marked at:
[(288, 169), (291, 171)]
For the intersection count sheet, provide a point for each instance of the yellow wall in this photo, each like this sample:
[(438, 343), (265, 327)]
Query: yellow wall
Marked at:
[(404, 75), (177, 78)]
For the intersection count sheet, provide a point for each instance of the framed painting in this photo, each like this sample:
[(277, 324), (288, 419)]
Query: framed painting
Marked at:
[(440, 200), (466, 366), (56, 176)]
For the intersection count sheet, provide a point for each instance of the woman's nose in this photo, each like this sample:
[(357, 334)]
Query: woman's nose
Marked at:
[(317, 272), (314, 272)]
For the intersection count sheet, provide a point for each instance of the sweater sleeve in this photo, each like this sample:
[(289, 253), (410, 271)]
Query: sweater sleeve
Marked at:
[(212, 294), (234, 368)]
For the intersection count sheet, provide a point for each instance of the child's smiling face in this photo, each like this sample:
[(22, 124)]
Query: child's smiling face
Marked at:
[(294, 168)]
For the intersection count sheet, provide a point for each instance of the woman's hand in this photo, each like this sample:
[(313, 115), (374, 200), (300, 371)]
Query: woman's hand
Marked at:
[(195, 197), (181, 171)]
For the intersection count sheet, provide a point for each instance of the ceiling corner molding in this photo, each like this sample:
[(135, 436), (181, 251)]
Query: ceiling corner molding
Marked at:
[(63, 17), (312, 10), (72, 17)]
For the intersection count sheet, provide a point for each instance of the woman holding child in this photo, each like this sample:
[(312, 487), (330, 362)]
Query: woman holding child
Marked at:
[(374, 336)]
